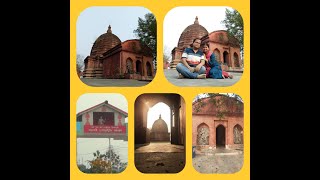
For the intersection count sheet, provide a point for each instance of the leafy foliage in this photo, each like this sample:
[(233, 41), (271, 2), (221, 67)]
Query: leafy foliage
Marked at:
[(117, 165), (104, 163), (147, 33), (223, 103), (234, 24), (100, 164)]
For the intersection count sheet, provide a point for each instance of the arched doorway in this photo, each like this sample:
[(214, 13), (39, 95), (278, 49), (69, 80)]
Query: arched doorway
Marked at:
[(220, 136), (158, 123), (149, 71), (177, 116), (236, 60), (129, 66), (226, 58), (203, 134), (217, 55), (237, 134), (138, 67)]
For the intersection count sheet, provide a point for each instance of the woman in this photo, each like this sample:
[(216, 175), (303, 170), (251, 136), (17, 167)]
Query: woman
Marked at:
[(213, 68)]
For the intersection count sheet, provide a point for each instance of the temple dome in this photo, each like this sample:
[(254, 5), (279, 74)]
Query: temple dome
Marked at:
[(104, 42), (159, 126), (222, 37), (195, 30)]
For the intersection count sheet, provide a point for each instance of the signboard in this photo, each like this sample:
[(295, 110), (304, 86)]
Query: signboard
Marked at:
[(104, 129)]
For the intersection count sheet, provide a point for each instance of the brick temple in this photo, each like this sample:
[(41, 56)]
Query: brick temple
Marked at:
[(217, 122), (225, 47), (112, 59)]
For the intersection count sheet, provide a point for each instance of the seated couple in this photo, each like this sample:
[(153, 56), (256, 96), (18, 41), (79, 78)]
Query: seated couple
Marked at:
[(196, 64)]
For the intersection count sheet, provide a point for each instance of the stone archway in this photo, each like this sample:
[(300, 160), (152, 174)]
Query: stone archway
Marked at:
[(177, 106), (149, 71), (237, 134), (138, 67), (236, 59), (203, 134), (217, 55), (226, 58), (129, 66), (158, 123), (221, 136)]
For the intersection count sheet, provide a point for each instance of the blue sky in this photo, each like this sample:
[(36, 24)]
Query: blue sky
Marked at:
[(94, 21)]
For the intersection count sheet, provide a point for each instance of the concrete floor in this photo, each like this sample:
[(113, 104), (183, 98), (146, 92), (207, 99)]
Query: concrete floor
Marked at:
[(161, 157), (172, 77)]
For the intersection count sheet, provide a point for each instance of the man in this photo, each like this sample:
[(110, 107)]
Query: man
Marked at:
[(192, 62)]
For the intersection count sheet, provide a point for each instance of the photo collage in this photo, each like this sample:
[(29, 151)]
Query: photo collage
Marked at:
[(159, 91)]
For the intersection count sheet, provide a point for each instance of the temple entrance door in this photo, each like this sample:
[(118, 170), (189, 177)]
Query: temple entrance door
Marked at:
[(236, 60), (158, 123), (220, 136), (129, 69), (149, 71), (217, 54), (226, 58), (139, 67)]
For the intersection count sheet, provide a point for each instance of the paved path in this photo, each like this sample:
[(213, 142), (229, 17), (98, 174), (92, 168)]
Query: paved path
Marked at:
[(114, 82), (159, 147), (172, 76), (159, 158)]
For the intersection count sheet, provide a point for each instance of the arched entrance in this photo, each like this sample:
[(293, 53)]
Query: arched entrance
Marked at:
[(203, 134), (177, 116), (220, 136), (149, 71), (217, 55), (129, 66), (158, 123), (226, 58), (236, 60), (155, 150), (237, 134), (138, 67)]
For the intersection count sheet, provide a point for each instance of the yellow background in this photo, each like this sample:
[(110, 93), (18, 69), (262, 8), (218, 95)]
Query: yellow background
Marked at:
[(160, 85)]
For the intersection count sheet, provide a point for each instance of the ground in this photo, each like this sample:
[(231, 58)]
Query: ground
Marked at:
[(161, 157), (114, 82), (218, 161), (172, 76)]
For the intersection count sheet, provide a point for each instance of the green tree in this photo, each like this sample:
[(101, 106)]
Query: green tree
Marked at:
[(147, 33), (225, 103), (234, 24), (117, 165), (105, 163), (100, 164)]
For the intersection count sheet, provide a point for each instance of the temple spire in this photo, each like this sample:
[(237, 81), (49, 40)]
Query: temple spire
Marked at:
[(196, 21), (109, 29)]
